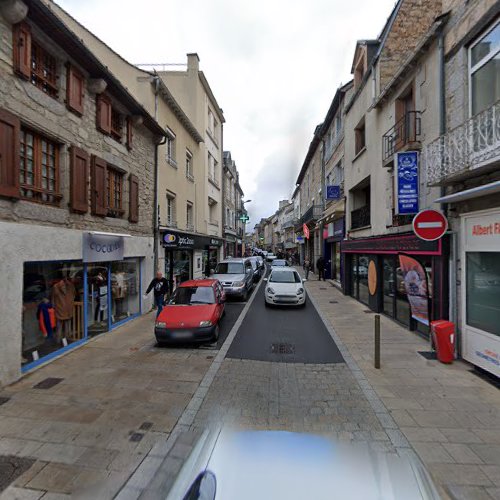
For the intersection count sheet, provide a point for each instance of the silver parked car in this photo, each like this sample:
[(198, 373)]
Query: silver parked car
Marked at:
[(236, 276)]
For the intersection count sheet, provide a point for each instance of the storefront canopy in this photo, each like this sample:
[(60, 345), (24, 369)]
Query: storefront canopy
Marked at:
[(467, 194)]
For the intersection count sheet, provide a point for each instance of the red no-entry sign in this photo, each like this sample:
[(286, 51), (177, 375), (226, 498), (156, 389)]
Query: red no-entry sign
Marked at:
[(430, 225)]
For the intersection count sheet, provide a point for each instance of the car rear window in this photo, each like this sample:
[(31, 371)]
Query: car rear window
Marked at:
[(229, 268), (193, 295)]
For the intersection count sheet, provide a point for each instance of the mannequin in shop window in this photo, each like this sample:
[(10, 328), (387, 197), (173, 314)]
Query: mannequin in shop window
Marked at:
[(119, 290), (63, 299), (46, 315), (99, 282)]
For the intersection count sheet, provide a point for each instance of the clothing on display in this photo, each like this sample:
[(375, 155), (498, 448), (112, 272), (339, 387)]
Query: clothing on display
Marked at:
[(46, 315), (63, 298)]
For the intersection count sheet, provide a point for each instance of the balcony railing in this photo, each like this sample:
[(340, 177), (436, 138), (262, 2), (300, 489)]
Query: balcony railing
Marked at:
[(407, 130), (312, 214), (472, 145), (360, 217)]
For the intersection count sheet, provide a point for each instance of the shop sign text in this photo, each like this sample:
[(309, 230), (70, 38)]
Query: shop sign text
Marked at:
[(102, 247)]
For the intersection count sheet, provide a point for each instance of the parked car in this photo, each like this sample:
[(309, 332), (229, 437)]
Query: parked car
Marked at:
[(279, 263), (270, 257), (258, 269), (192, 314), (285, 287), (236, 276)]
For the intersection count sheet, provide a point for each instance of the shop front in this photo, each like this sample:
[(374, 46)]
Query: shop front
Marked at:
[(230, 246), (333, 235), (65, 302), (189, 256), (480, 321), (399, 275)]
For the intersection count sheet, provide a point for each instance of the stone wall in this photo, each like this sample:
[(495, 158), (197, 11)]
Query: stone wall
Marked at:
[(411, 23), (50, 117)]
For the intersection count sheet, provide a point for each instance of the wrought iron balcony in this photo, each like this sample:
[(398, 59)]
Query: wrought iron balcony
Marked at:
[(360, 217), (312, 214), (289, 223), (473, 145), (406, 130)]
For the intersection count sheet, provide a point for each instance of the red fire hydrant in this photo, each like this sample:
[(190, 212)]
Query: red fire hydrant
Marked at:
[(443, 336)]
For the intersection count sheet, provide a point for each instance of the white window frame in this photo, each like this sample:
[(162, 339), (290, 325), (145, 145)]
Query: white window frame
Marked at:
[(171, 209), (189, 215), (170, 148), (483, 61), (189, 165)]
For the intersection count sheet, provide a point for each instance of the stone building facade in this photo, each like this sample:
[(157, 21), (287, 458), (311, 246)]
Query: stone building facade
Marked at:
[(76, 192), (464, 163)]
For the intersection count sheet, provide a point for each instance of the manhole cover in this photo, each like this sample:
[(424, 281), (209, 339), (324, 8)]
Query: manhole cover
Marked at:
[(146, 426), (136, 437), (3, 400), (282, 348), (48, 383), (334, 301), (428, 354)]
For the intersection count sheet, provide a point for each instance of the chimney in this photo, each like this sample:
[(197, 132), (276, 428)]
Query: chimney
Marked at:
[(193, 62)]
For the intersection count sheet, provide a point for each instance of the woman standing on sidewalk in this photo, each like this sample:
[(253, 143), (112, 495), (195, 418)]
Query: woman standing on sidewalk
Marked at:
[(306, 267)]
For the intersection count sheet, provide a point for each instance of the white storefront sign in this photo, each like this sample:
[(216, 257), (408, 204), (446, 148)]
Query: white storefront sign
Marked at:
[(481, 289)]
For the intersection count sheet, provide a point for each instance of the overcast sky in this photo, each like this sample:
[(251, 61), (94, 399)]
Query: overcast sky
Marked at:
[(273, 65)]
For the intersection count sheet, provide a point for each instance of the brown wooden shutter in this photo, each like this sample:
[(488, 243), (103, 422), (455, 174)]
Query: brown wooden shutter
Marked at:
[(99, 192), (79, 180), (130, 133), (104, 114), (74, 89), (133, 215), (21, 34), (9, 154)]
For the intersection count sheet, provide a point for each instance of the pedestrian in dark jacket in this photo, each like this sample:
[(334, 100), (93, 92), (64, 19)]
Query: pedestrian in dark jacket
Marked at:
[(307, 267), (320, 264), (160, 287)]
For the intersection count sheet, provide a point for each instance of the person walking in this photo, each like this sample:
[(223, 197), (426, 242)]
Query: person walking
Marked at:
[(160, 286), (307, 267), (320, 265)]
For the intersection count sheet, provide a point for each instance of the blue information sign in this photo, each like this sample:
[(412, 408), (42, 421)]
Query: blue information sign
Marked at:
[(407, 182), (332, 192)]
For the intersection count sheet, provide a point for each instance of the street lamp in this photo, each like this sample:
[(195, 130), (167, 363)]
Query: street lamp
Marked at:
[(244, 231)]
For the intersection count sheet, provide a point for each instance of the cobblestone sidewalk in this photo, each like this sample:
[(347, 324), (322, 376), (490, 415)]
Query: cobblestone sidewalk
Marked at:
[(449, 415), (119, 395)]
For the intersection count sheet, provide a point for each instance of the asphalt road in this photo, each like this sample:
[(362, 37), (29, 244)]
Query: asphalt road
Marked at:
[(292, 335)]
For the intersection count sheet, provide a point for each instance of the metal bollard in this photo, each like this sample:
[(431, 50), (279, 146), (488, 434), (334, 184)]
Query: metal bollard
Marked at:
[(377, 340)]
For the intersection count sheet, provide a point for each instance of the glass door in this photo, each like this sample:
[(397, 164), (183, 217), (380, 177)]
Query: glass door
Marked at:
[(389, 286), (97, 298)]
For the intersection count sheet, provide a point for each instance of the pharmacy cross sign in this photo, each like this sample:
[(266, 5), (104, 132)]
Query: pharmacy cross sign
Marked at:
[(244, 218), (430, 225)]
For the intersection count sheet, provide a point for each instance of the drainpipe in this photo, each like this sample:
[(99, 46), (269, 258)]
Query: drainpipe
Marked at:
[(156, 208), (453, 261)]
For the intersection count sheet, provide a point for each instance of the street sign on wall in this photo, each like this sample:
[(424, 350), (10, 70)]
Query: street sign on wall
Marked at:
[(333, 192), (406, 180), (430, 225)]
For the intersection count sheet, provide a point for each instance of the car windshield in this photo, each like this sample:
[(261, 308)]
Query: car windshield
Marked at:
[(229, 268), (187, 295), (284, 277), (279, 262)]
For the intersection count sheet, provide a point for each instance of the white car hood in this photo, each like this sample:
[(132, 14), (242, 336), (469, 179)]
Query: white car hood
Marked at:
[(284, 288)]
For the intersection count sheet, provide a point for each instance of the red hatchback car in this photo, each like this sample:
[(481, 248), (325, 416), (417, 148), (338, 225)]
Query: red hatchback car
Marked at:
[(192, 314)]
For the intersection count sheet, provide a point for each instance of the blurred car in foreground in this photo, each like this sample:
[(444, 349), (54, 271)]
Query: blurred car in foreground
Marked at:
[(244, 465), (192, 314), (284, 287)]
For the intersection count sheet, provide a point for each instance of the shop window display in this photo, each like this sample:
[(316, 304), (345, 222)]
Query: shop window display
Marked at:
[(52, 307), (124, 289), (97, 298)]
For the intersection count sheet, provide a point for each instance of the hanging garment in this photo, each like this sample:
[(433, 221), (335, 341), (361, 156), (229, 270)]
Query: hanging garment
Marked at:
[(63, 298), (46, 315)]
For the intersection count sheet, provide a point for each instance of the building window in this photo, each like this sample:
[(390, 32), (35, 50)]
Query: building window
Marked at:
[(170, 144), (189, 165), (189, 216), (213, 168), (485, 71), (171, 212), (359, 137), (43, 69), (116, 124), (39, 168), (114, 182)]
